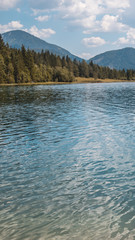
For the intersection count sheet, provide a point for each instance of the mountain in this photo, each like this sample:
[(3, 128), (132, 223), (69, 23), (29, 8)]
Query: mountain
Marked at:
[(16, 38), (118, 59)]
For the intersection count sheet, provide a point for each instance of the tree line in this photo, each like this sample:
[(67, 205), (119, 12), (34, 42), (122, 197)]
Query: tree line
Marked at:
[(26, 66)]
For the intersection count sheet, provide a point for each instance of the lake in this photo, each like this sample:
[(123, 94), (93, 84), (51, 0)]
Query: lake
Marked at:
[(67, 162)]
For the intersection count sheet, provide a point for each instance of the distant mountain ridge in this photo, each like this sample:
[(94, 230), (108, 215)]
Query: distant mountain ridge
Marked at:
[(16, 38), (118, 59), (115, 59)]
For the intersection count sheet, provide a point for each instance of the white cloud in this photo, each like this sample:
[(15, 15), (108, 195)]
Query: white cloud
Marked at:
[(16, 25), (6, 4), (111, 24), (108, 23), (41, 33), (85, 55), (86, 13), (93, 42), (128, 39), (121, 40), (92, 15), (79, 9), (75, 9), (131, 34), (88, 22), (42, 18), (117, 4), (10, 26)]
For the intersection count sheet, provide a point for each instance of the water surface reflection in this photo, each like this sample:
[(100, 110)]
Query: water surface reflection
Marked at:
[(67, 162)]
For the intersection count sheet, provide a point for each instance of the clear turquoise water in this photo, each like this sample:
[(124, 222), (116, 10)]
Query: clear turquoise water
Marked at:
[(67, 162)]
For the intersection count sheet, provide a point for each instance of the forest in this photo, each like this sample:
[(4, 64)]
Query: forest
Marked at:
[(27, 66)]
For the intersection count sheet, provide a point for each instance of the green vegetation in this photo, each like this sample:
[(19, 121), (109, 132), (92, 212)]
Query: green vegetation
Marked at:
[(26, 66)]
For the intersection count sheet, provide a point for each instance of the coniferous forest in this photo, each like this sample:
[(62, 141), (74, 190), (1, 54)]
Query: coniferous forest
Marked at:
[(27, 66)]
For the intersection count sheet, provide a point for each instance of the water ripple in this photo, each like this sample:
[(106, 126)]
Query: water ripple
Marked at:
[(67, 162)]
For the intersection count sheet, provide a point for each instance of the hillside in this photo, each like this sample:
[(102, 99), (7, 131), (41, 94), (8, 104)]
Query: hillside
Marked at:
[(19, 66), (16, 38), (118, 59)]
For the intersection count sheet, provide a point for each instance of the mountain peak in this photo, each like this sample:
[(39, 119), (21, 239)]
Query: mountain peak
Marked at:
[(17, 38), (118, 59)]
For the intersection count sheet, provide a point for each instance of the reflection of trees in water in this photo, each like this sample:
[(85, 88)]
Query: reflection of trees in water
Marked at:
[(29, 108)]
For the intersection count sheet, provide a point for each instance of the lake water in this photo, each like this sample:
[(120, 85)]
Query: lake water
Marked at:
[(67, 162)]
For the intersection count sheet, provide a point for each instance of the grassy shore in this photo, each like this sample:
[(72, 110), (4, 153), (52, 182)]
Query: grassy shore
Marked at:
[(34, 83), (77, 80), (92, 80)]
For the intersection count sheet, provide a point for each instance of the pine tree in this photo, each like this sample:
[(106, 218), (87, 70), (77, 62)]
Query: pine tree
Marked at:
[(2, 70), (84, 70), (10, 73), (2, 45)]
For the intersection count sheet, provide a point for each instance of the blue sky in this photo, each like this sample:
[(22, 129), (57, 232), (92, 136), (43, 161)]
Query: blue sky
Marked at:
[(83, 27)]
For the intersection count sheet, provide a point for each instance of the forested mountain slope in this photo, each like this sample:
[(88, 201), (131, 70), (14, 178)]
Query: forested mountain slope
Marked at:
[(17, 38), (27, 66)]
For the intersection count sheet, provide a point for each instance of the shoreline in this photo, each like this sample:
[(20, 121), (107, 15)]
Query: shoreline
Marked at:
[(78, 80)]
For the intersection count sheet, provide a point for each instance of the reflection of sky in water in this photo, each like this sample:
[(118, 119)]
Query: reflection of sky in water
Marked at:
[(67, 162)]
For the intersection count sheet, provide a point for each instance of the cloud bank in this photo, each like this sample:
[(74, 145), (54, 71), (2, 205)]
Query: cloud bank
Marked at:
[(102, 16), (16, 25), (41, 33), (93, 41), (6, 4), (13, 25)]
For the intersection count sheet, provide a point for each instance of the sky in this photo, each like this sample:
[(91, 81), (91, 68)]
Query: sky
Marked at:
[(83, 27)]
